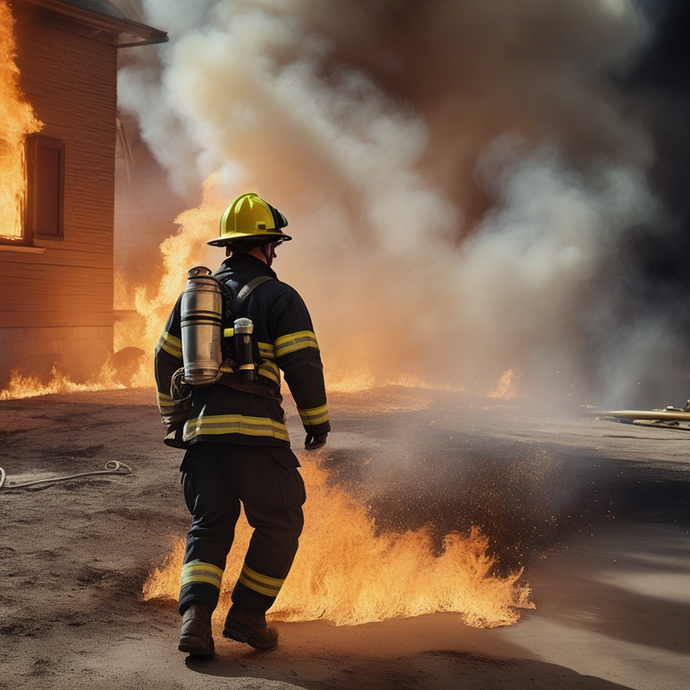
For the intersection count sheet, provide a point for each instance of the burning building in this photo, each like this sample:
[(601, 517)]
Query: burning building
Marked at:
[(57, 167)]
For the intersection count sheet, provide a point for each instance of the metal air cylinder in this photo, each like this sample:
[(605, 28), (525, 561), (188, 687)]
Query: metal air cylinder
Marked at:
[(201, 319)]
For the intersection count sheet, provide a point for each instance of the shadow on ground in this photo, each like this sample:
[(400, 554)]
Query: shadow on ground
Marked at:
[(440, 670)]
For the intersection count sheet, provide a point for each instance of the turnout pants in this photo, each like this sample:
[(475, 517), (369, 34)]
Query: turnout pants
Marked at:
[(216, 478)]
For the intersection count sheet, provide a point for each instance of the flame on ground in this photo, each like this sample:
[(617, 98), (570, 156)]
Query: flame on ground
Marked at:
[(17, 120), (343, 380), (29, 386), (348, 574)]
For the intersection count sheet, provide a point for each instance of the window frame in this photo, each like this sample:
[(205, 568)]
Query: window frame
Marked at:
[(31, 230)]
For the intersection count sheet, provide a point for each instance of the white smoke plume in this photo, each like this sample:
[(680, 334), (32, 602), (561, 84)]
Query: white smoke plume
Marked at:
[(458, 177)]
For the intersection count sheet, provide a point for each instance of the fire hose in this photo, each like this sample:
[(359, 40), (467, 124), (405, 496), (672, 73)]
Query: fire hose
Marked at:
[(111, 467)]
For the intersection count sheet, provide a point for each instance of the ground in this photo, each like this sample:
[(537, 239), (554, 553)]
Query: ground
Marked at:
[(597, 514)]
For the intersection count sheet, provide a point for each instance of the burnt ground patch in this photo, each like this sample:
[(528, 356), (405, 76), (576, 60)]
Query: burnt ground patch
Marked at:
[(527, 494)]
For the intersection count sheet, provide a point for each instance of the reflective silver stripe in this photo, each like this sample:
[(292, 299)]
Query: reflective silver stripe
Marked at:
[(197, 571), (235, 424), (165, 403), (171, 344), (270, 371), (314, 416), (293, 342), (263, 584)]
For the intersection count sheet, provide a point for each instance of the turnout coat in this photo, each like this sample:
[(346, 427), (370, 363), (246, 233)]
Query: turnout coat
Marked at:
[(282, 326)]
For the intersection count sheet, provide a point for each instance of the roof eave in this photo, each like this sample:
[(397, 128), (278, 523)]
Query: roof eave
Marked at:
[(124, 29)]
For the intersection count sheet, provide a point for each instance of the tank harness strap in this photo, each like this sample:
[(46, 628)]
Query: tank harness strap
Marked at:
[(232, 305)]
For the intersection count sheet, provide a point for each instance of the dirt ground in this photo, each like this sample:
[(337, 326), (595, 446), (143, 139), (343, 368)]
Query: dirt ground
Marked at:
[(597, 513)]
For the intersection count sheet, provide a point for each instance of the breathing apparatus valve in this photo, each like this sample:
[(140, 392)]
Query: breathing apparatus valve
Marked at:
[(244, 343)]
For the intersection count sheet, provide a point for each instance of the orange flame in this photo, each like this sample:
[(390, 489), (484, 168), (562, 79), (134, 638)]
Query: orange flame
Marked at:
[(348, 574), (29, 386), (180, 252), (344, 380), (17, 120)]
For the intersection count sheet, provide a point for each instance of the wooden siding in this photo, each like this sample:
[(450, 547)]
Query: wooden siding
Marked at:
[(70, 80), (76, 350)]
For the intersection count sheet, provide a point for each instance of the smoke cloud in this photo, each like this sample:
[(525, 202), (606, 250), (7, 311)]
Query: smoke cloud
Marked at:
[(461, 180)]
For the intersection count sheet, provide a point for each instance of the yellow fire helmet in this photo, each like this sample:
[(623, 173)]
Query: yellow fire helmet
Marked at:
[(250, 218)]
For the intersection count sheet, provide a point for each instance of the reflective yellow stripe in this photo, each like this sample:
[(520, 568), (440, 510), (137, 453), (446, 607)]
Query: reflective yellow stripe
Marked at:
[(165, 403), (266, 351), (197, 571), (235, 424), (314, 416), (170, 344), (270, 371), (270, 586), (293, 342)]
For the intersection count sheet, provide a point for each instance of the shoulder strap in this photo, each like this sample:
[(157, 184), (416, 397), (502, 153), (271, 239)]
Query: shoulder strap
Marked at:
[(234, 305)]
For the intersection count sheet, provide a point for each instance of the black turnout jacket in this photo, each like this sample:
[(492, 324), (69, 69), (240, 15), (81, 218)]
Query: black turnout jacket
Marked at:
[(286, 340)]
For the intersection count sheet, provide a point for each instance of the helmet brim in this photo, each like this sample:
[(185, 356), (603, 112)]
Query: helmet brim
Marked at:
[(240, 237)]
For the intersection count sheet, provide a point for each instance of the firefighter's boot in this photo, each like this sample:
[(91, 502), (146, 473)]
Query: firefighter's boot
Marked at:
[(196, 636), (242, 625)]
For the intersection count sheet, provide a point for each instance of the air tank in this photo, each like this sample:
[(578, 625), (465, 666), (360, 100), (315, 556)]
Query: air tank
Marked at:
[(201, 320)]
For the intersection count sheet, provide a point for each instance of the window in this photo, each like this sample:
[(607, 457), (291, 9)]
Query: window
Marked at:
[(45, 165)]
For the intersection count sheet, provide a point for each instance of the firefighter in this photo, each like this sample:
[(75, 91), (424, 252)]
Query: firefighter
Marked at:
[(238, 449)]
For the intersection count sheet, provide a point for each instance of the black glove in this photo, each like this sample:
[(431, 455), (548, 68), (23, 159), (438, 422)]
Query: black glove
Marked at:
[(313, 442), (174, 437)]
